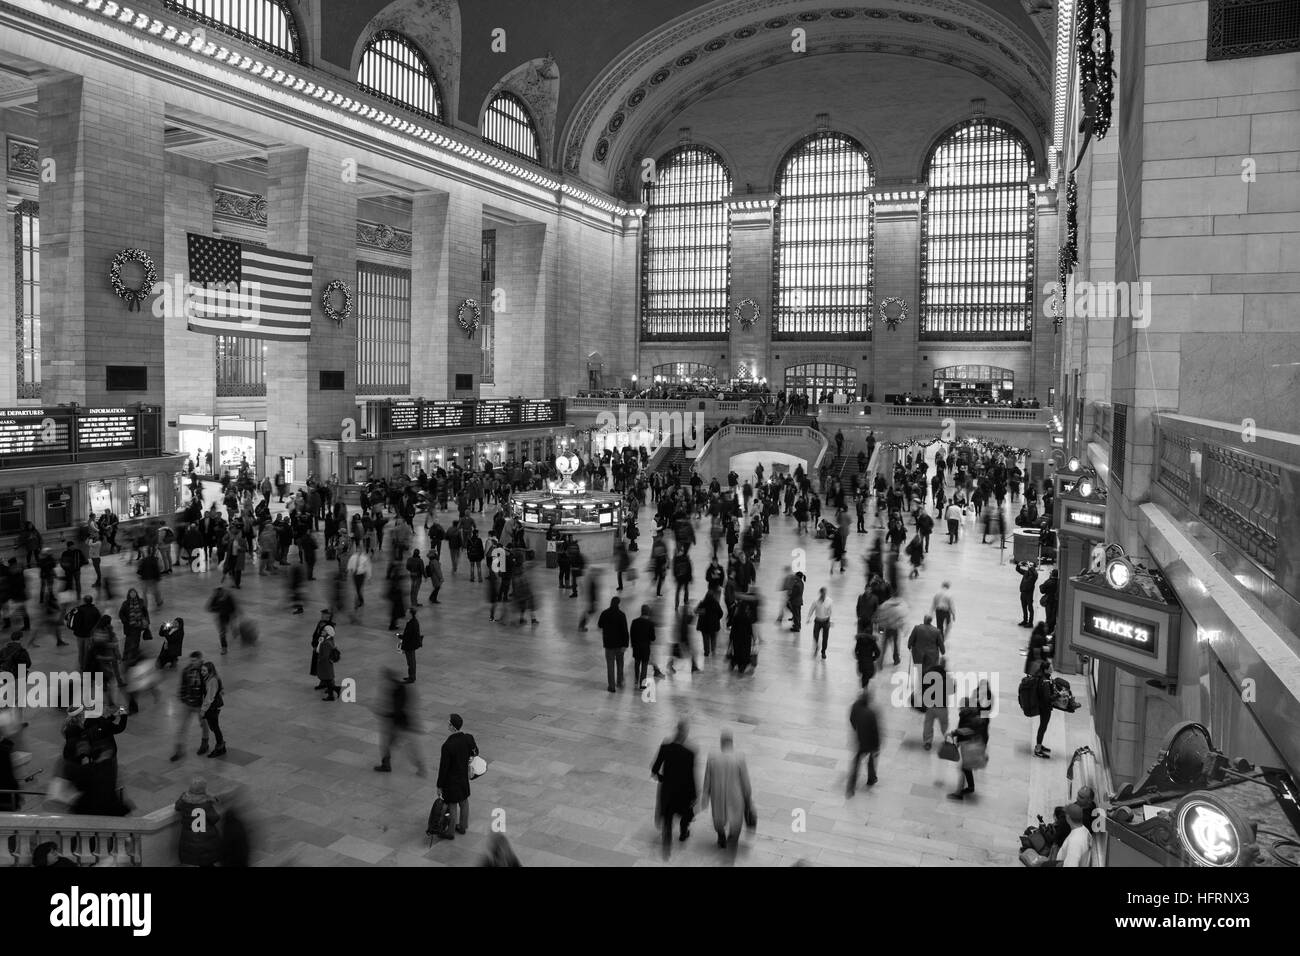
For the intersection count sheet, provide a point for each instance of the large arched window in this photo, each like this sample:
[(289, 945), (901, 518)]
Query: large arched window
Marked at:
[(268, 24), (686, 247), (393, 68), (508, 124), (977, 235), (822, 246)]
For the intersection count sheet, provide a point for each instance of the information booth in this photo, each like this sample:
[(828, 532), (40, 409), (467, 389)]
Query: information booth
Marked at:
[(60, 464)]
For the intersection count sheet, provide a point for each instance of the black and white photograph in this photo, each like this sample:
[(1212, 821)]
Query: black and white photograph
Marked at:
[(642, 434)]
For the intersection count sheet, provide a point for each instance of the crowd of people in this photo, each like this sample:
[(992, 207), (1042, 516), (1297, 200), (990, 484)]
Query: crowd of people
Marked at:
[(401, 531)]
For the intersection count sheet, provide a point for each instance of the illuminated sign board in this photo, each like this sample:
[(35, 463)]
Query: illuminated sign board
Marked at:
[(1131, 630), (402, 419), (56, 435), (1126, 632), (1084, 517)]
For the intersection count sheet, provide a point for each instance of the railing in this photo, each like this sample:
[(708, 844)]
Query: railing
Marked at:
[(91, 840), (987, 413), (1241, 501), (1236, 493)]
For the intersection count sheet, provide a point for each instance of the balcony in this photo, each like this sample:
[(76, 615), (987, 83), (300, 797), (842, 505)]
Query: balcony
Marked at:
[(1236, 493)]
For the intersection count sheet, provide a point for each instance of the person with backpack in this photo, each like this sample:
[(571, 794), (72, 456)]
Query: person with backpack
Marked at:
[(433, 570), (192, 694)]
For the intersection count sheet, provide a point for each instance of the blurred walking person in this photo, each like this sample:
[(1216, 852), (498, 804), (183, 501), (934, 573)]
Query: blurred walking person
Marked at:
[(866, 730), (727, 789), (399, 724), (674, 768)]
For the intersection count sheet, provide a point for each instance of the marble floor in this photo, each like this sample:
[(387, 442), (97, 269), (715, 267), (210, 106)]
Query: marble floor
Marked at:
[(569, 777)]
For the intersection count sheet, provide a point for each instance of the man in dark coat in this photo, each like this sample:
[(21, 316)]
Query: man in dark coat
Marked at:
[(412, 640), (1028, 579), (453, 771), (674, 768), (642, 636), (866, 728), (614, 636)]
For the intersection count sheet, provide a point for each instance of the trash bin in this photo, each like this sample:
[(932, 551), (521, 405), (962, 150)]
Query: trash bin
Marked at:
[(1025, 544)]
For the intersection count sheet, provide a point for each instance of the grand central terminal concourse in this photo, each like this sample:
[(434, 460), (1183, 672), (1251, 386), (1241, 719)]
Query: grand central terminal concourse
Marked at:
[(613, 433)]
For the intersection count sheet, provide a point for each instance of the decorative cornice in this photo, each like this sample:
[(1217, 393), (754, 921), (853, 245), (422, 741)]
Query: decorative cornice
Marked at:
[(238, 206), (24, 160), (148, 30), (377, 235)]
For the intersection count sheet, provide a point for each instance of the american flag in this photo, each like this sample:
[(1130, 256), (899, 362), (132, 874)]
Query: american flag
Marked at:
[(236, 289)]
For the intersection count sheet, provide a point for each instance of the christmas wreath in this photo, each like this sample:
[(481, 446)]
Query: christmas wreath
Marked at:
[(746, 312), (893, 311), (137, 295), (327, 301), (469, 316)]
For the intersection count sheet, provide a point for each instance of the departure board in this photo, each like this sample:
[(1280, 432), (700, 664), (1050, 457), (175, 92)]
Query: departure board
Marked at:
[(493, 413), (443, 416), (418, 418), (34, 431), (44, 436), (107, 429)]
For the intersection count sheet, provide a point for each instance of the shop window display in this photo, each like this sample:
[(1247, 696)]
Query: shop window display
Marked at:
[(99, 497), (138, 497)]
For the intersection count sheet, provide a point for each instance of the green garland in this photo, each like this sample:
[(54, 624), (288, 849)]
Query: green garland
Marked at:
[(987, 444), (1068, 257), (1096, 60)]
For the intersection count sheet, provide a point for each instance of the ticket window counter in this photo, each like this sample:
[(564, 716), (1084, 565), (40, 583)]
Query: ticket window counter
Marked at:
[(99, 497), (13, 512), (138, 497), (58, 509)]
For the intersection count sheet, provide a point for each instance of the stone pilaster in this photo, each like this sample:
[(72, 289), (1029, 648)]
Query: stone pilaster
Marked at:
[(104, 194)]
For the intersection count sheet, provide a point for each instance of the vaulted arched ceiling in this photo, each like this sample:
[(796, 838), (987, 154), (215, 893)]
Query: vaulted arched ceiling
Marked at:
[(628, 64)]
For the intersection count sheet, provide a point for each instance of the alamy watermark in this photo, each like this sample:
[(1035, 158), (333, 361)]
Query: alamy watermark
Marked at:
[(677, 429), (61, 689), (1100, 300)]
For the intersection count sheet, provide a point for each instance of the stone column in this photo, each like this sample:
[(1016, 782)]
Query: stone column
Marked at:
[(450, 251), (523, 339), (751, 278), (895, 359), (429, 331), (104, 194), (8, 335), (312, 211)]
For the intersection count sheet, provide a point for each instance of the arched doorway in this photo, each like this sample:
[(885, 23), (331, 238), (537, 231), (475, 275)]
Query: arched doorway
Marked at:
[(974, 383), (684, 373), (813, 379)]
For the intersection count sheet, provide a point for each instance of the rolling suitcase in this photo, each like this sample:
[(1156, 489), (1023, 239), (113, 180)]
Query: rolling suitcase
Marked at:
[(439, 821)]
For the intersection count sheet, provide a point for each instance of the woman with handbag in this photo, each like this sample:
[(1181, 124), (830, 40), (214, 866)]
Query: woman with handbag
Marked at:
[(971, 738), (1038, 664)]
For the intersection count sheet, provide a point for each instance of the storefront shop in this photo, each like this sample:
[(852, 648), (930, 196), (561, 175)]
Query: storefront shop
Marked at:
[(405, 437), (217, 446)]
